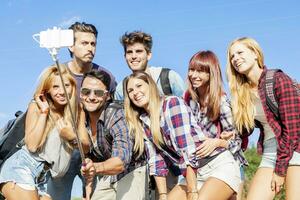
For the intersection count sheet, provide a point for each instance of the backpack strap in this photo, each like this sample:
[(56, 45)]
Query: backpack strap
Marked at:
[(164, 81), (269, 89)]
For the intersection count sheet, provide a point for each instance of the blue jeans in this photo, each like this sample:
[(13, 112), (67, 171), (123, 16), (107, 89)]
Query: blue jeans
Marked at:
[(61, 188)]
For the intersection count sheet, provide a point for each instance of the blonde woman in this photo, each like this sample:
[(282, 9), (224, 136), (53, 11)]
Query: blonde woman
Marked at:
[(48, 139), (279, 137), (166, 128)]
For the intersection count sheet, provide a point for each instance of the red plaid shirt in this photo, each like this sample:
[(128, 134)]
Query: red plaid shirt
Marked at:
[(287, 128)]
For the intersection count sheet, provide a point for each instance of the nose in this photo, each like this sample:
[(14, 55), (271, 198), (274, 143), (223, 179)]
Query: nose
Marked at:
[(90, 47), (235, 58), (92, 95), (135, 92), (61, 90), (195, 74), (133, 55)]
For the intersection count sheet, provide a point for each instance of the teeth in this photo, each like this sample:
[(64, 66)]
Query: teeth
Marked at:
[(239, 63), (138, 98)]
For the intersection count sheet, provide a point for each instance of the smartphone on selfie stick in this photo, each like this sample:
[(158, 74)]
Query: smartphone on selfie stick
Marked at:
[(54, 39)]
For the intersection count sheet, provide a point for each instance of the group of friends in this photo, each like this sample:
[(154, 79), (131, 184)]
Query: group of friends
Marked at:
[(184, 145)]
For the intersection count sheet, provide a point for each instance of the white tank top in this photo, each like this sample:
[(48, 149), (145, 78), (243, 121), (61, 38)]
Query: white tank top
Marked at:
[(260, 116), (56, 153)]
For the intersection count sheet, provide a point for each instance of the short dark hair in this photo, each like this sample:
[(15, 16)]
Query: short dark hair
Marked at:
[(137, 37), (83, 27), (101, 75)]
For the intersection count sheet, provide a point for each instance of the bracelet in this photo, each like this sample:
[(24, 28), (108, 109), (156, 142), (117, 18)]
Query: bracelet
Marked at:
[(162, 193), (46, 111), (192, 191), (73, 142), (103, 168)]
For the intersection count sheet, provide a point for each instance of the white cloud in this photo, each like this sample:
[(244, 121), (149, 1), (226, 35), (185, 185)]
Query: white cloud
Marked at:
[(66, 23)]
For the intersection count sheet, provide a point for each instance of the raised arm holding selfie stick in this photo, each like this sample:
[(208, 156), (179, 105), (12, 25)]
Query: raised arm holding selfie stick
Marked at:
[(53, 40)]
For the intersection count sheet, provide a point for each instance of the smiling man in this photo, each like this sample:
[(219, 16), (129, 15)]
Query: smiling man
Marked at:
[(137, 52), (118, 174), (82, 54)]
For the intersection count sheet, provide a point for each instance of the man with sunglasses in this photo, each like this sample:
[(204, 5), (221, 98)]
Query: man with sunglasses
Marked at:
[(117, 175), (82, 54)]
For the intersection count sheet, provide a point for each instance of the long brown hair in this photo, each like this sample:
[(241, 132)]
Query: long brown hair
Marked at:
[(208, 62)]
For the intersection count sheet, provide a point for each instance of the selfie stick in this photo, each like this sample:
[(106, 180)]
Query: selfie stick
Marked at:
[(53, 50)]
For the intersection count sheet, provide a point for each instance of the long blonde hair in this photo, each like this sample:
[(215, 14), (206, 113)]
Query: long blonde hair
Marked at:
[(132, 113), (45, 83), (240, 87), (208, 62)]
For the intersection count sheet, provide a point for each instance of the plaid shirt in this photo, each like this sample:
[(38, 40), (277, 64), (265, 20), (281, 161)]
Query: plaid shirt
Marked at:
[(117, 144), (213, 129), (181, 135), (287, 128)]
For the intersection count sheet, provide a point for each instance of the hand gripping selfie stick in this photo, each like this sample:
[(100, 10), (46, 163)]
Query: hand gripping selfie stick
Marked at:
[(53, 40)]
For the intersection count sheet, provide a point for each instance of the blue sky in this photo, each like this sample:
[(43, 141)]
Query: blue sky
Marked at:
[(179, 29)]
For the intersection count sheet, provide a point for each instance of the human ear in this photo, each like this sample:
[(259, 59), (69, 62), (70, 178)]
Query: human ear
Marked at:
[(149, 55)]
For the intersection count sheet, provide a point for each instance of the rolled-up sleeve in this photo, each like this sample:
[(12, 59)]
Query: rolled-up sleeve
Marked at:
[(179, 120), (157, 164), (226, 120), (122, 143)]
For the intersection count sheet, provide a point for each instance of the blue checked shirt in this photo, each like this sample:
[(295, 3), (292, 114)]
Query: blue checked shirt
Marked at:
[(181, 135), (117, 143), (210, 128)]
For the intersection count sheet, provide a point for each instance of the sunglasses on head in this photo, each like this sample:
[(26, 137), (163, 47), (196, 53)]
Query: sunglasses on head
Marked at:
[(98, 93)]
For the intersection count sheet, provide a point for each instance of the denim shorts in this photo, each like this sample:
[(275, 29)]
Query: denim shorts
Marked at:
[(223, 167), (270, 155), (25, 171)]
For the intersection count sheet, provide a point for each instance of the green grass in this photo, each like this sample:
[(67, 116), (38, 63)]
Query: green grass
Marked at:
[(254, 160)]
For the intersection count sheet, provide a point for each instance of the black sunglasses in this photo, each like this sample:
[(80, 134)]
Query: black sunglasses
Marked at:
[(97, 93)]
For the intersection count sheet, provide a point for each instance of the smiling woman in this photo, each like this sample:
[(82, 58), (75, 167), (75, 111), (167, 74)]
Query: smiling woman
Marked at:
[(279, 135), (212, 110), (138, 92), (48, 133), (171, 131)]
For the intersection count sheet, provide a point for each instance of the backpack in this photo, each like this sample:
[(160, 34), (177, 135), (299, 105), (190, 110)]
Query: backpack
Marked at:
[(269, 89), (165, 82), (109, 114), (12, 136)]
